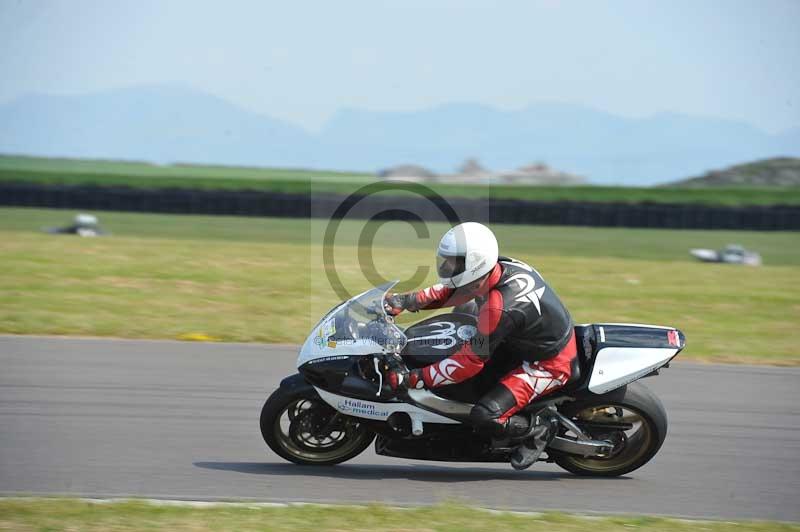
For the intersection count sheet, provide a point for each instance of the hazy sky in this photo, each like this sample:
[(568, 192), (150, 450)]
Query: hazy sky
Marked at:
[(301, 61)]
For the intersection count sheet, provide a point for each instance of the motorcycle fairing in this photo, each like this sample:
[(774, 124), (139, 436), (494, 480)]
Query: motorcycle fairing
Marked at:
[(381, 411), (618, 366), (626, 352), (357, 327), (323, 343)]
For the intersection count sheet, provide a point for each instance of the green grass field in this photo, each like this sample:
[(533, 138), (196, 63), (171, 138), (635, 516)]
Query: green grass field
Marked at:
[(94, 167), (144, 175), (66, 514), (258, 279)]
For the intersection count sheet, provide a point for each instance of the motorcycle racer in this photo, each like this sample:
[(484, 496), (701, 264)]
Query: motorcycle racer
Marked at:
[(518, 315)]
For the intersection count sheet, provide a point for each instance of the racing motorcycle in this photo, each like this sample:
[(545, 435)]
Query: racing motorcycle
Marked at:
[(338, 404)]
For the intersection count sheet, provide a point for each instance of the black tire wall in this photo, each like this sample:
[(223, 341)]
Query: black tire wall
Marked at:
[(261, 203)]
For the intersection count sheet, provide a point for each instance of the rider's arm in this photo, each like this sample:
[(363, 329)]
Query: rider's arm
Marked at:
[(494, 325), (433, 297)]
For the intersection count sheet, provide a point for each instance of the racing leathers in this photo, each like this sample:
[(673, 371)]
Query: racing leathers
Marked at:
[(518, 315)]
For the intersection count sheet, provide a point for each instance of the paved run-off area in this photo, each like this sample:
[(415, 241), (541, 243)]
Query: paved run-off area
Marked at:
[(180, 420)]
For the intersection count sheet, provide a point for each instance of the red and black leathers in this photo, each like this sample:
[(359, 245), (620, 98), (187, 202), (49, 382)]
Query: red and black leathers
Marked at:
[(519, 315)]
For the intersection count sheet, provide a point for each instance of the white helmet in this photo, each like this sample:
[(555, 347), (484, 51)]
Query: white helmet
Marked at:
[(466, 252)]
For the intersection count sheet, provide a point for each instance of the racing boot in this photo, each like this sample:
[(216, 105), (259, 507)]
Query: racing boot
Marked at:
[(542, 428)]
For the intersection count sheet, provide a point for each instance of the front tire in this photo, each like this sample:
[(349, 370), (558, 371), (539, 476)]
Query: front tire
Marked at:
[(301, 428), (635, 405)]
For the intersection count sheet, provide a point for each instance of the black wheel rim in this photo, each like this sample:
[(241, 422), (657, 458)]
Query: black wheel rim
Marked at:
[(312, 431)]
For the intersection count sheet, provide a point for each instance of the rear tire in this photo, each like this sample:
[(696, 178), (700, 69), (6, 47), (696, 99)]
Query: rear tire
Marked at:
[(645, 407), (290, 420)]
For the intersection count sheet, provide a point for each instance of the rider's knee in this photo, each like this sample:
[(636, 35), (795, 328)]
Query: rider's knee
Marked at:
[(485, 416), (485, 413), (490, 412)]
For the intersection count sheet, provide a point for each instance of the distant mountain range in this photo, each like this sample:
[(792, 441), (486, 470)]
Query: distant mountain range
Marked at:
[(166, 124)]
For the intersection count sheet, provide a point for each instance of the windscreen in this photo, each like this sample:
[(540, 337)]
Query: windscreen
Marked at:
[(362, 319)]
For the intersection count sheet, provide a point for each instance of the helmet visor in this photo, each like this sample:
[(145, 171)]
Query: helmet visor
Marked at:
[(448, 267)]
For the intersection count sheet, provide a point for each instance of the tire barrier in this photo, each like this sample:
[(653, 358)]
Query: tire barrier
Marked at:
[(275, 204)]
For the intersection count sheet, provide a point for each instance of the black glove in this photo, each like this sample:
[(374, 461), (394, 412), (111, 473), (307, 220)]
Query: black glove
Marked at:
[(400, 378), (397, 303)]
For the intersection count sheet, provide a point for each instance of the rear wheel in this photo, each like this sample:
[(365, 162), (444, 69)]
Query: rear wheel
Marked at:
[(632, 419), (300, 427)]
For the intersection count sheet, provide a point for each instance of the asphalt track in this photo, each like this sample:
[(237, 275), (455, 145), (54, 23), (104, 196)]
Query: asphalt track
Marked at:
[(179, 420)]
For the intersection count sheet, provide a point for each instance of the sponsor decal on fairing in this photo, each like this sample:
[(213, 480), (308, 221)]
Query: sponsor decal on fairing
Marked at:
[(445, 335), (361, 408), (467, 332), (328, 359)]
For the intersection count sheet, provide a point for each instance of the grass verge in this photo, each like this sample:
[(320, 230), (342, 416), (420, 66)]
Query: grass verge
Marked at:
[(263, 280), (68, 514), (300, 181)]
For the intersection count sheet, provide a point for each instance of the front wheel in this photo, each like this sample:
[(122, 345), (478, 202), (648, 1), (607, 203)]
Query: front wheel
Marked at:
[(631, 418), (300, 427)]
